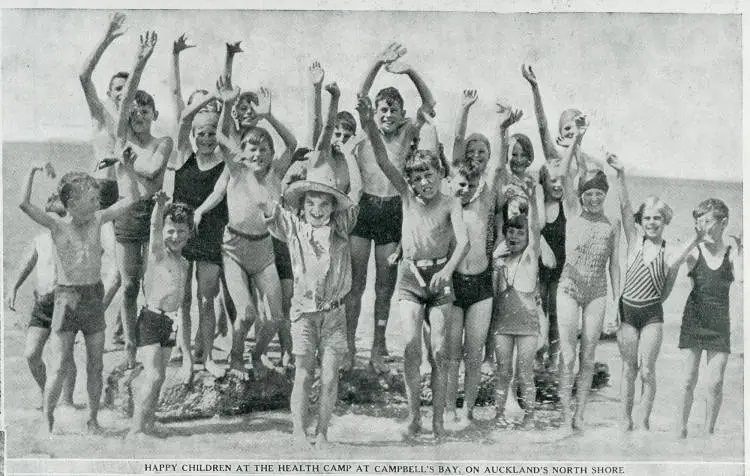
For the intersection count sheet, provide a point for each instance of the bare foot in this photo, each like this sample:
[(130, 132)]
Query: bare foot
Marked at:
[(577, 423), (141, 437), (378, 363), (413, 429), (215, 369), (300, 440), (238, 373), (186, 373), (501, 422), (176, 354), (287, 360), (93, 428), (70, 404), (645, 424), (321, 442), (438, 430), (260, 371), (682, 433), (527, 422), (626, 424), (488, 366), (267, 362)]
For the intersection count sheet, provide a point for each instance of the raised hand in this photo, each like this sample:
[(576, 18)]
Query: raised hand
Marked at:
[(468, 98), (317, 73), (615, 162), (333, 89), (263, 108), (115, 29), (181, 44), (128, 156), (161, 198), (234, 48), (528, 74), (226, 93), (12, 301), (364, 108), (507, 115), (398, 67), (146, 48), (501, 251), (393, 52), (582, 123)]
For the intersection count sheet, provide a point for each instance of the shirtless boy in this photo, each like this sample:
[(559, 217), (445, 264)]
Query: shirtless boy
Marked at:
[(78, 290), (164, 288), (432, 220), (151, 154), (380, 207)]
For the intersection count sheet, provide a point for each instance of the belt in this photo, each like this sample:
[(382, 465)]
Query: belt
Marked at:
[(248, 236), (426, 263), (333, 305), (155, 310)]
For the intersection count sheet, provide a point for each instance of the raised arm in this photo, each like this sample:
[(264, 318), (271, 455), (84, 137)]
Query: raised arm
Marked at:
[(145, 49), (497, 166), (96, 108), (130, 194), (468, 98), (186, 123), (626, 208), (364, 108), (282, 163), (179, 45), (315, 107), (228, 146), (34, 212), (563, 169), (393, 52), (535, 226), (399, 67), (324, 140), (156, 239), (548, 145), (232, 49), (216, 196)]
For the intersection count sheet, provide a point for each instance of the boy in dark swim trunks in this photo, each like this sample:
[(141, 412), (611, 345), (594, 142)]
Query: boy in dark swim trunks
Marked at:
[(42, 258), (432, 221), (166, 271), (151, 154), (380, 205)]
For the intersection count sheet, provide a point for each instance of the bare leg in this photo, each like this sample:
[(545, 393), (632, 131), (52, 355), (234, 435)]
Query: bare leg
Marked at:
[(285, 334), (504, 345), (593, 318), (526, 350), (476, 326), (567, 323), (627, 341), (360, 257), (186, 319), (385, 283), (239, 289), (94, 377), (62, 348), (690, 379), (412, 315), (131, 263), (455, 354), (208, 289), (36, 337), (269, 294), (717, 364), (650, 344), (303, 377), (153, 378), (440, 326), (329, 384)]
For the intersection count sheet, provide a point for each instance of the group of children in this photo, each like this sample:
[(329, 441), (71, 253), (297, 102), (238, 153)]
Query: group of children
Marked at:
[(478, 253)]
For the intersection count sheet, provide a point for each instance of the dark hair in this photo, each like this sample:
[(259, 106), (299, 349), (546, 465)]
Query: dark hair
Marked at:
[(518, 222), (594, 179), (301, 204), (54, 205), (391, 96), (345, 120), (122, 74), (256, 135), (142, 98), (247, 96), (523, 206), (469, 170), (715, 205), (73, 183), (525, 143), (421, 161), (179, 213)]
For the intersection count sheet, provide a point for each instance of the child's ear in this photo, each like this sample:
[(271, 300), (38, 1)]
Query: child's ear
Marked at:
[(156, 114)]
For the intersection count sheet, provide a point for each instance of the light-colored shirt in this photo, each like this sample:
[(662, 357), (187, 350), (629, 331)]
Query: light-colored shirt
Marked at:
[(321, 257)]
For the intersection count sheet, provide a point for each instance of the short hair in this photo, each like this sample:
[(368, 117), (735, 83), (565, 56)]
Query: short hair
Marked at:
[(122, 74), (567, 115), (518, 222), (715, 205), (544, 176), (470, 171), (257, 135), (345, 120), (54, 205), (391, 96), (523, 207), (421, 161), (525, 143), (142, 98), (654, 202), (179, 213), (249, 96), (73, 183)]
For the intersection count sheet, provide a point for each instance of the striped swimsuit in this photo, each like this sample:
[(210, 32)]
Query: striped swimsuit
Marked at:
[(640, 303)]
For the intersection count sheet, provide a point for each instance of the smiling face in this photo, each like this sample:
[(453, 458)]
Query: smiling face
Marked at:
[(426, 183), (341, 136), (205, 138), (389, 115), (141, 117), (83, 203), (593, 200), (175, 235), (712, 225), (464, 188), (317, 208), (519, 159), (516, 239), (652, 222), (257, 155), (553, 188), (246, 116), (478, 154)]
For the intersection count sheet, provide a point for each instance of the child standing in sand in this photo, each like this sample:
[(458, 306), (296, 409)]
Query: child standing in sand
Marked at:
[(432, 221), (705, 321), (164, 280), (78, 289), (318, 241), (41, 257)]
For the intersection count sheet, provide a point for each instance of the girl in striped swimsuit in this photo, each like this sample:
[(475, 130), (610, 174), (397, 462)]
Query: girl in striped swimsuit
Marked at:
[(648, 281)]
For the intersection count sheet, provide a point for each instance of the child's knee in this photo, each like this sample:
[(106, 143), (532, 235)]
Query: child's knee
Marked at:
[(413, 351), (648, 373), (690, 381), (94, 367), (33, 354), (130, 287), (715, 386)]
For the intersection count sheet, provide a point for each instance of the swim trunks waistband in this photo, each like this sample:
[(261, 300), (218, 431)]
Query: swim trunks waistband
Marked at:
[(248, 236)]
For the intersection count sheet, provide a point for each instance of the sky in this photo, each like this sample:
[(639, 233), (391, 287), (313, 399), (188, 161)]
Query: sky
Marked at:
[(663, 91)]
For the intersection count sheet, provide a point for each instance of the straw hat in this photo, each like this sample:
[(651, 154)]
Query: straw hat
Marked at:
[(320, 178)]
